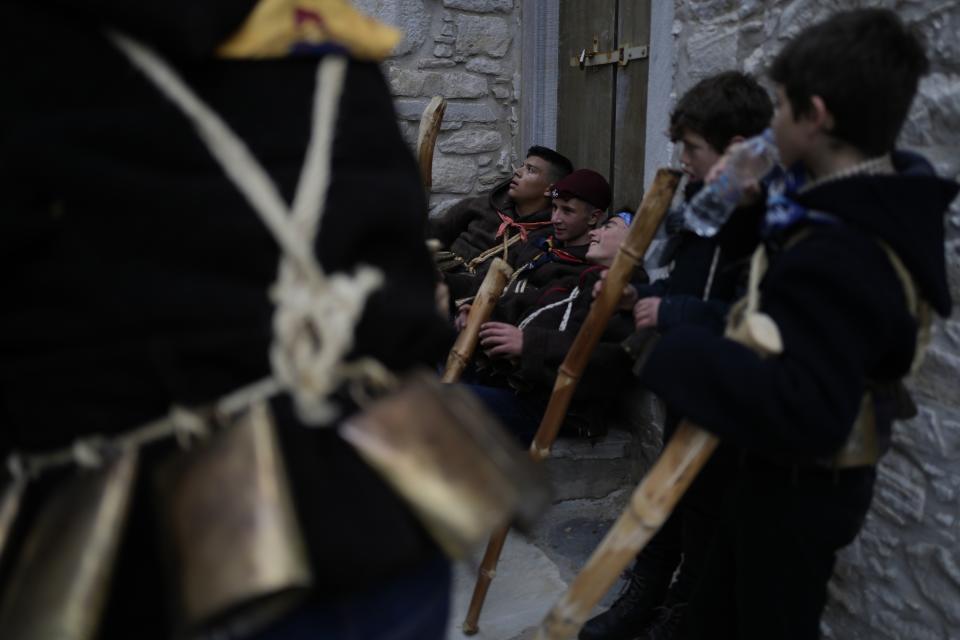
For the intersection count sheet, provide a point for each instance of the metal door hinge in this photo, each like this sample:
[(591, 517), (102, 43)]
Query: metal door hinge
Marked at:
[(621, 55)]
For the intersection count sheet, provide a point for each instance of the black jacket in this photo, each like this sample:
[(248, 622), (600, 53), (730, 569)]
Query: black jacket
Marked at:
[(135, 276), (841, 311), (708, 272)]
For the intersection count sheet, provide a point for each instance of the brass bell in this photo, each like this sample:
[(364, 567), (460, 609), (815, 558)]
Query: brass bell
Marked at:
[(236, 544), (60, 584)]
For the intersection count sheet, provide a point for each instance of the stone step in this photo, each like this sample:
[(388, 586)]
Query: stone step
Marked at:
[(579, 468), (535, 570)]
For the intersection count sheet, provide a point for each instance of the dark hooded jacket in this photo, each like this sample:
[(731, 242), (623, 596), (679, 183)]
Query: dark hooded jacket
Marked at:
[(841, 311), (554, 323), (540, 265), (135, 276), (708, 272)]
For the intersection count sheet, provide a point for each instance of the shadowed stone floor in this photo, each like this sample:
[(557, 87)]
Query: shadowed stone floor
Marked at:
[(535, 569)]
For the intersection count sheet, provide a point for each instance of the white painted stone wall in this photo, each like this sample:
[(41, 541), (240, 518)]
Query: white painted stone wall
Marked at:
[(468, 52), (901, 578)]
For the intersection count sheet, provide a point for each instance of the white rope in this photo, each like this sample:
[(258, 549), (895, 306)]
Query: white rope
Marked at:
[(713, 270), (315, 314), (566, 316)]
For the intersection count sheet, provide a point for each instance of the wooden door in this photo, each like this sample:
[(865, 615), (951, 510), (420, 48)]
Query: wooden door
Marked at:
[(602, 110)]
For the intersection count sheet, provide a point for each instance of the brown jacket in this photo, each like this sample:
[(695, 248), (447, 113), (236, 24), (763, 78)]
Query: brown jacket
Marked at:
[(470, 227)]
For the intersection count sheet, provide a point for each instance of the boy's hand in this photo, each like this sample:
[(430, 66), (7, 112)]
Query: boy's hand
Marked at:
[(501, 339), (461, 320), (628, 297), (645, 313)]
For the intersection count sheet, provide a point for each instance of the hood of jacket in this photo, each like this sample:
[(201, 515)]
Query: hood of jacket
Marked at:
[(905, 210)]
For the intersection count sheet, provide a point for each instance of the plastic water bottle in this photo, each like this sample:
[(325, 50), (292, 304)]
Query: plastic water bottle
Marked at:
[(748, 163)]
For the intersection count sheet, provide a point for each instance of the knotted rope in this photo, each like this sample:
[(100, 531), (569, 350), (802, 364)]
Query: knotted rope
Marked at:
[(315, 313)]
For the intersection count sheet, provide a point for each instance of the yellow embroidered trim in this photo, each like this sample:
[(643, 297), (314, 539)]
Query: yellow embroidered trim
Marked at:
[(277, 28)]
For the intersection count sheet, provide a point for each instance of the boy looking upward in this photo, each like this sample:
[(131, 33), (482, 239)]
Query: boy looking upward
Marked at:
[(476, 229)]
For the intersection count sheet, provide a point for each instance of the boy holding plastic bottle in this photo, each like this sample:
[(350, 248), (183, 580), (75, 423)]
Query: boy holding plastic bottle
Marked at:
[(706, 277), (853, 243)]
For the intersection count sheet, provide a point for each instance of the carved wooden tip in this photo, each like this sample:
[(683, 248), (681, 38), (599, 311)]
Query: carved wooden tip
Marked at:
[(470, 629)]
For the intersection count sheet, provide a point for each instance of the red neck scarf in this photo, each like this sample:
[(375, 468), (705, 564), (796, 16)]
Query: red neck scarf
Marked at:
[(523, 227)]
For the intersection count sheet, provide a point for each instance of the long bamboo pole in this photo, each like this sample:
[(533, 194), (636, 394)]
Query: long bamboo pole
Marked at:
[(649, 215), (660, 490), (483, 304), (649, 507)]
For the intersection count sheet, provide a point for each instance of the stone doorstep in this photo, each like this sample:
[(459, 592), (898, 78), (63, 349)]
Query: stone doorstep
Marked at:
[(582, 469), (615, 444), (535, 569), (592, 482)]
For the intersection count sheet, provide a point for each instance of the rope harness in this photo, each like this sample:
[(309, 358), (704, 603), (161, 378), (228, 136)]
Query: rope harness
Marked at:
[(315, 312)]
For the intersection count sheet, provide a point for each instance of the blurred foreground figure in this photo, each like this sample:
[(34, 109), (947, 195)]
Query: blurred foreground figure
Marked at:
[(138, 266)]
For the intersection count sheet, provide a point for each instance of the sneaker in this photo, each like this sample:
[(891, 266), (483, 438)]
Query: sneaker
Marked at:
[(631, 612)]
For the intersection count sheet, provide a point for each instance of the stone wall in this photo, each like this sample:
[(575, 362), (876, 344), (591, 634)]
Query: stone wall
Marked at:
[(901, 578), (467, 52)]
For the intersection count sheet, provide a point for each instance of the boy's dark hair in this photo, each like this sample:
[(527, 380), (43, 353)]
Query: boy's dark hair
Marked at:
[(865, 65), (720, 107), (560, 165)]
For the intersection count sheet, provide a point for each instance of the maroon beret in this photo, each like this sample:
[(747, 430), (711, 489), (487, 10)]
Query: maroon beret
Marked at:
[(585, 184)]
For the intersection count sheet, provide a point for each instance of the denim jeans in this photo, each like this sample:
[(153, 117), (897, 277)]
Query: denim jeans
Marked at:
[(519, 413), (411, 607)]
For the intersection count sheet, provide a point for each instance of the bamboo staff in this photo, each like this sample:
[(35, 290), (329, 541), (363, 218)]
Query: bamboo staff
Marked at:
[(649, 507), (654, 499), (649, 215), (427, 139), (483, 304)]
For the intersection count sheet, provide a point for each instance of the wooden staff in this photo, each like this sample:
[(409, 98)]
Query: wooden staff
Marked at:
[(649, 507), (654, 499), (427, 139), (483, 304), (651, 212)]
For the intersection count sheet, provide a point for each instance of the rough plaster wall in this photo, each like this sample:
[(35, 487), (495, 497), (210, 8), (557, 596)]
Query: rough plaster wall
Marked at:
[(901, 578), (467, 52)]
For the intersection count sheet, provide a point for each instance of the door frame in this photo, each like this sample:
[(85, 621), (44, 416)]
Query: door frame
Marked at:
[(539, 73)]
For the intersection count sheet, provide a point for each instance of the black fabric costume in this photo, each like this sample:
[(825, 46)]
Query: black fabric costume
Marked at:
[(135, 276), (842, 314)]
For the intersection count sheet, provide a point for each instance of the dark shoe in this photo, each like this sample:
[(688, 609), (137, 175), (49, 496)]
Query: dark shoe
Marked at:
[(631, 612), (666, 626)]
